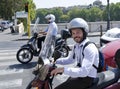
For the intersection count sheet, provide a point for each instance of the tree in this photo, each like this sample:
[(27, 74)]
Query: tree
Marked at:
[(57, 12), (41, 13), (114, 12), (74, 12), (94, 14), (8, 10), (64, 18)]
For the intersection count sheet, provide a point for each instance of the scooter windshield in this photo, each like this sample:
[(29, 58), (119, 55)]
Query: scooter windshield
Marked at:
[(47, 48)]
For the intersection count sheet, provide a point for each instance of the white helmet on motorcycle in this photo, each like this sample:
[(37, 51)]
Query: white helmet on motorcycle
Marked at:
[(78, 23), (50, 17)]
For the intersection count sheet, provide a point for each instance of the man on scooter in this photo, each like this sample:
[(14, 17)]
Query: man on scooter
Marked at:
[(52, 26), (52, 30), (83, 74)]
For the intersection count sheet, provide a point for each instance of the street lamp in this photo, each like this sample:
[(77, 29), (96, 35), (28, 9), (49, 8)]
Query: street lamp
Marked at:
[(108, 15)]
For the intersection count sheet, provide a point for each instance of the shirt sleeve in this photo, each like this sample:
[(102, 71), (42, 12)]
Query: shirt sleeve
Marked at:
[(46, 29)]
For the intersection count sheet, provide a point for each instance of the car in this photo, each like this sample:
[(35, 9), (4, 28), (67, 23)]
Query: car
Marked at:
[(5, 24), (110, 35), (1, 28), (108, 50)]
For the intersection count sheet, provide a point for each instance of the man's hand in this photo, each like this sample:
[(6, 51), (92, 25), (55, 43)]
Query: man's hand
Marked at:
[(57, 71), (52, 60)]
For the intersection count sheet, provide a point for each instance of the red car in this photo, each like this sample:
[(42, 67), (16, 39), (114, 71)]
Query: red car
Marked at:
[(109, 51)]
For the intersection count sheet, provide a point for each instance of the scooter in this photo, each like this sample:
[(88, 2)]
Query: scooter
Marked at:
[(61, 43), (26, 52), (43, 80), (105, 80)]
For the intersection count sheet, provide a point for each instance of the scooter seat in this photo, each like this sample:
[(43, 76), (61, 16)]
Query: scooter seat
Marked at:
[(105, 79)]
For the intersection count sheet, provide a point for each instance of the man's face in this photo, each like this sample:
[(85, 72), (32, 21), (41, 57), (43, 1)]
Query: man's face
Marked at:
[(77, 35), (48, 20)]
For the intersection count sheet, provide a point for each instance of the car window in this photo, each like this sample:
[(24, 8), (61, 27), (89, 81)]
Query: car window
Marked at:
[(3, 22)]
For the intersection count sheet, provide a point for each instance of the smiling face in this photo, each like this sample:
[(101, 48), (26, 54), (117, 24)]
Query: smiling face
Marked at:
[(77, 35)]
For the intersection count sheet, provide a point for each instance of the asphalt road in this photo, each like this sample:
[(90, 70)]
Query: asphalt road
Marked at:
[(13, 75)]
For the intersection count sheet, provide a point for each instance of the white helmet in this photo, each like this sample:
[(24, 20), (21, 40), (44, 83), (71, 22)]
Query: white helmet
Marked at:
[(50, 17), (78, 23)]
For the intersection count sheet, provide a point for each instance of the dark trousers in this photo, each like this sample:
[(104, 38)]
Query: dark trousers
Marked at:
[(39, 42), (76, 83)]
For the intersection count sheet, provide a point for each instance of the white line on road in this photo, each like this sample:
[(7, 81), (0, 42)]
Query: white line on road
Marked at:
[(7, 57), (9, 63), (7, 53), (10, 50), (10, 83), (10, 71)]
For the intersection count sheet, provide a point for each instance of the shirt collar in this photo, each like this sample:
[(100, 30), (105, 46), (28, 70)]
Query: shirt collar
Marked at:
[(82, 43)]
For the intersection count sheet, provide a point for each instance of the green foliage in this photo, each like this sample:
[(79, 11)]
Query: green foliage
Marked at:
[(114, 12), (64, 18), (57, 12), (74, 12), (62, 14), (8, 10), (41, 13), (94, 13)]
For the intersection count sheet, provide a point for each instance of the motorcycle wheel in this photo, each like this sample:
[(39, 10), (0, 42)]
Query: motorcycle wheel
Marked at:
[(24, 55)]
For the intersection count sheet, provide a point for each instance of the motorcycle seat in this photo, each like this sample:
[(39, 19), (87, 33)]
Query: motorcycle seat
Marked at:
[(106, 78)]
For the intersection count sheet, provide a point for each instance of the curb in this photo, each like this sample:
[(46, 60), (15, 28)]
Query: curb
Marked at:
[(89, 35)]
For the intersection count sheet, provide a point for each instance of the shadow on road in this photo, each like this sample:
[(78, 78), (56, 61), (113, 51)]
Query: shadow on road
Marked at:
[(23, 66)]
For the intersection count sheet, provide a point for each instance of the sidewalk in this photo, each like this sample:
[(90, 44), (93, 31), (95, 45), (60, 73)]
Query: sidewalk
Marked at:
[(8, 36), (22, 37)]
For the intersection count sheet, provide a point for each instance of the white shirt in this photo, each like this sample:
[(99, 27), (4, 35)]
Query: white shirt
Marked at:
[(52, 29), (91, 56)]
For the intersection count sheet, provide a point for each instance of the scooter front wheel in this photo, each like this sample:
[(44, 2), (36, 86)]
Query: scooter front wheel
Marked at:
[(24, 55)]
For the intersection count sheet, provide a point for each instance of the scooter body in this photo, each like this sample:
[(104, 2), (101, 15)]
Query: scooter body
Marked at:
[(31, 44), (27, 51)]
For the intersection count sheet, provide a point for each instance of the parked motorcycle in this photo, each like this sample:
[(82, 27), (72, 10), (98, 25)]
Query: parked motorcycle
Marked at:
[(26, 52), (61, 43)]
